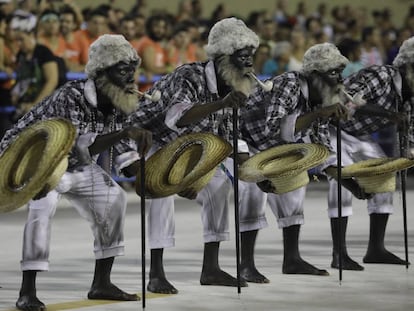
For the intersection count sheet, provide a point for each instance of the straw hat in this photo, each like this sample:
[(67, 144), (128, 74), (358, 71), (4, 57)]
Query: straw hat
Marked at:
[(35, 161), (285, 166), (188, 162), (374, 175)]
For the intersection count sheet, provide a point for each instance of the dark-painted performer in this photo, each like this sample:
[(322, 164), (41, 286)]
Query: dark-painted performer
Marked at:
[(386, 95), (199, 97), (97, 107), (297, 109)]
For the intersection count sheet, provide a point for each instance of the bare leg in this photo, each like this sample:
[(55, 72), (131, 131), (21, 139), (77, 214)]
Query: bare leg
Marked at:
[(28, 300), (248, 270), (292, 262), (376, 252), (102, 287), (347, 262), (158, 282), (211, 273)]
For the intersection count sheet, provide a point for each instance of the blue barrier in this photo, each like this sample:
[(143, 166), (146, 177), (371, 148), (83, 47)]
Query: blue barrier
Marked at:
[(7, 109), (81, 75)]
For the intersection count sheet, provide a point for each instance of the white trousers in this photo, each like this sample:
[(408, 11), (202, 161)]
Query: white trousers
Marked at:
[(355, 149), (288, 207), (214, 201), (97, 198)]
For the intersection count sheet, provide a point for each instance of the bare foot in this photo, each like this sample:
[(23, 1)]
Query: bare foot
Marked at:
[(253, 276), (111, 292), (30, 303), (220, 278), (299, 266), (383, 256), (161, 286), (347, 263)]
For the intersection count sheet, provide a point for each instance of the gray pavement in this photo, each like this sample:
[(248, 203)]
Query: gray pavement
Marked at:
[(64, 287)]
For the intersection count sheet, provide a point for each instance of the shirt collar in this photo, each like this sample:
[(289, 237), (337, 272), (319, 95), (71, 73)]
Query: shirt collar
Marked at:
[(211, 77), (90, 93), (396, 78)]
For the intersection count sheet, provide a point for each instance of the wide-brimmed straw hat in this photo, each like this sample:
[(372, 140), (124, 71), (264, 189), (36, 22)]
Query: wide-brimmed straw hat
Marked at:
[(285, 166), (34, 161), (188, 162), (375, 175)]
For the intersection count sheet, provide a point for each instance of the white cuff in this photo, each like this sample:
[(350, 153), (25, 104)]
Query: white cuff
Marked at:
[(125, 160), (242, 146), (82, 146), (175, 113)]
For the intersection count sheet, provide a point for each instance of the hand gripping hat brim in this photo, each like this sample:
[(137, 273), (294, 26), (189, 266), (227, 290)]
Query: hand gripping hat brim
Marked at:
[(375, 175), (285, 166), (188, 162), (34, 161)]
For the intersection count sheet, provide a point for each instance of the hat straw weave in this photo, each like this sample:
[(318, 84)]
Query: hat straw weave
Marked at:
[(35, 161), (375, 175), (285, 165), (188, 162)]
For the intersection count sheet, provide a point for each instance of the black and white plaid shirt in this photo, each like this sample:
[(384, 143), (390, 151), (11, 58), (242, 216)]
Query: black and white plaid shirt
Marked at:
[(76, 102), (189, 85), (380, 86), (263, 118)]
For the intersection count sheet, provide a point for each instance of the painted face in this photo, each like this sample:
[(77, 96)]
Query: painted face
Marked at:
[(333, 76), (408, 72), (122, 74), (243, 58)]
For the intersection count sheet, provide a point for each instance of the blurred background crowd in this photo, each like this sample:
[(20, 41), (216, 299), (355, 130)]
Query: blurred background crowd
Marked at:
[(45, 42)]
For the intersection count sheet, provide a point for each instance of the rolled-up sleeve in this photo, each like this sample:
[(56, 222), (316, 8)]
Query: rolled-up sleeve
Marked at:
[(125, 153), (175, 113), (82, 145)]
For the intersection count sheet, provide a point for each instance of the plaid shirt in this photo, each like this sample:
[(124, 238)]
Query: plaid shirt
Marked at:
[(380, 86), (75, 102), (189, 85), (263, 117)]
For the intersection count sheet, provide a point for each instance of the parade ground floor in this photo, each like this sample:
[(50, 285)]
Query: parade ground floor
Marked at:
[(64, 287)]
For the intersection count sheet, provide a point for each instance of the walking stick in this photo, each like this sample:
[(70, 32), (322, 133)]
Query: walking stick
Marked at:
[(142, 190), (403, 179), (339, 173), (236, 195)]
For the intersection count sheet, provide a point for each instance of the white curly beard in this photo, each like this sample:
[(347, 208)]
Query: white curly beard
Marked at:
[(233, 76), (409, 76), (330, 95), (126, 101)]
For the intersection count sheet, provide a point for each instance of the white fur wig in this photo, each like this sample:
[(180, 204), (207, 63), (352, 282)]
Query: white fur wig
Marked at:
[(229, 35), (107, 51), (323, 57), (405, 54)]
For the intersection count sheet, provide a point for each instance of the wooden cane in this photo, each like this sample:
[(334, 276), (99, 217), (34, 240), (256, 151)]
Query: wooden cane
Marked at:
[(142, 191), (403, 179), (236, 195), (339, 173)]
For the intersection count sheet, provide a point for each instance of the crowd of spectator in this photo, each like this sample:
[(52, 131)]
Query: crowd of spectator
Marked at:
[(52, 38)]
